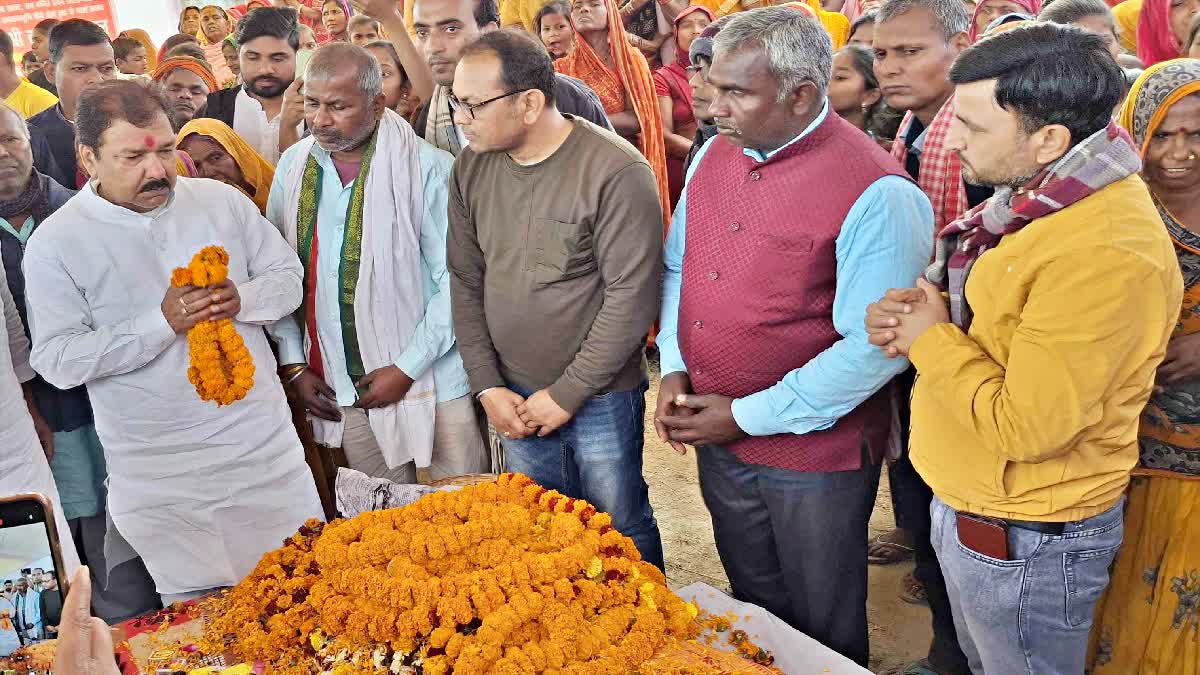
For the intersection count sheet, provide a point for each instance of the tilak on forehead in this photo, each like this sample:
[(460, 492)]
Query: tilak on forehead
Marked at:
[(149, 141)]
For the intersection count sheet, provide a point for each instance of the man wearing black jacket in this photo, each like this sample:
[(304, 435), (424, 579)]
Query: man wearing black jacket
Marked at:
[(269, 38), (80, 54)]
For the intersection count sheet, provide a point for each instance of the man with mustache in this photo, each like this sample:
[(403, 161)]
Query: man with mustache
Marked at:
[(916, 43), (80, 54), (186, 82), (199, 491), (62, 418), (554, 250), (378, 371), (767, 370), (268, 39), (443, 29)]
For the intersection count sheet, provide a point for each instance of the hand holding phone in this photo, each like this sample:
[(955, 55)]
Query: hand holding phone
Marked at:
[(33, 588), (85, 643)]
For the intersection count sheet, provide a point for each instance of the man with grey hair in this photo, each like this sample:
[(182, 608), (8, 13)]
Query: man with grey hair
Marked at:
[(765, 368), (371, 351)]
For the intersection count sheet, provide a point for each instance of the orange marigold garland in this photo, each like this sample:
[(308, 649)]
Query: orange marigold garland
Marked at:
[(500, 577), (221, 367)]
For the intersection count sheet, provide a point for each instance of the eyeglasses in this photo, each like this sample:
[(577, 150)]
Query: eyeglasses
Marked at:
[(458, 106)]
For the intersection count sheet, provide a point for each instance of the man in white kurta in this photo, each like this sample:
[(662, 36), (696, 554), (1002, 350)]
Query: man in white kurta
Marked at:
[(23, 465), (199, 491)]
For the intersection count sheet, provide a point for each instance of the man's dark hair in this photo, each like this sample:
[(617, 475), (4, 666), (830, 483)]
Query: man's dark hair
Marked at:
[(103, 104), (560, 7), (1067, 12), (6, 47), (486, 11), (1048, 74), (122, 46), (75, 33), (45, 26), (524, 62), (276, 22)]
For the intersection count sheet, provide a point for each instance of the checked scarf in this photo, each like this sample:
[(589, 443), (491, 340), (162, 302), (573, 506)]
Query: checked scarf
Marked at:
[(941, 172), (307, 243), (1103, 158), (33, 201)]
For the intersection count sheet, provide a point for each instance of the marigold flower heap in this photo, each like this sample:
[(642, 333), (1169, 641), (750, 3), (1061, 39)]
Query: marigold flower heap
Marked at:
[(500, 577), (221, 368)]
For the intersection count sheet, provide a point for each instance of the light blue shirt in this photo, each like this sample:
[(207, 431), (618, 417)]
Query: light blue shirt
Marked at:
[(432, 342), (885, 242)]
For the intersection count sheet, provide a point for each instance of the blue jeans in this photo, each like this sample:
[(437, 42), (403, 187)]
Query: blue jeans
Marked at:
[(597, 456), (1030, 615), (795, 543)]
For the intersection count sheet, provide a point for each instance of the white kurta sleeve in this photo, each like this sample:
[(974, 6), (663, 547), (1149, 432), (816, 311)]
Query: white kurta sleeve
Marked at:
[(18, 344), (68, 350), (276, 279)]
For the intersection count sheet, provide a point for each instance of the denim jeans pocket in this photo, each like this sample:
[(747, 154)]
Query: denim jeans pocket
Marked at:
[(1086, 575)]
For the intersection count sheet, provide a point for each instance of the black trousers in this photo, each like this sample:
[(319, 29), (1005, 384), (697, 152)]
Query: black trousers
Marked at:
[(794, 543), (911, 498)]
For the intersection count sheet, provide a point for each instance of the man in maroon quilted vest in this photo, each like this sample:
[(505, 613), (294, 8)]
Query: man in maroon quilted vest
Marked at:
[(790, 224)]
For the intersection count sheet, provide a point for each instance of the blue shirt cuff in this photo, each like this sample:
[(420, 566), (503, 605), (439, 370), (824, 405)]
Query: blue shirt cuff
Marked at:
[(414, 361), (753, 415)]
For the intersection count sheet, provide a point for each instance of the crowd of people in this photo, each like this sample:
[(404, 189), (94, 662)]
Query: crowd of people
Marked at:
[(959, 240), (30, 609)]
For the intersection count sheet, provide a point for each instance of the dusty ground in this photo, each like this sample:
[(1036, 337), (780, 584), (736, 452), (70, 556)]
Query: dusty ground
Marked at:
[(899, 632)]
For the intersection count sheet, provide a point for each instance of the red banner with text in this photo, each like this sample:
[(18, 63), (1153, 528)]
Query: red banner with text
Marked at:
[(18, 17)]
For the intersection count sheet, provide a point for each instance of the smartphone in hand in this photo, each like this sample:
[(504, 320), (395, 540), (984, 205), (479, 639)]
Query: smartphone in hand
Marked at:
[(33, 580)]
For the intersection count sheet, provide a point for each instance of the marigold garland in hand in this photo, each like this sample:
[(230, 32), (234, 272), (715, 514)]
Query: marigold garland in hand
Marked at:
[(221, 368), (501, 577)]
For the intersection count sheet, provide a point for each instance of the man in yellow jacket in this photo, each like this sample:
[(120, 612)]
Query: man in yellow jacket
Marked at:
[(1063, 290)]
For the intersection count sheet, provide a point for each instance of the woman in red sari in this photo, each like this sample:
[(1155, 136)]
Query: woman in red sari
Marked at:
[(619, 74), (675, 96)]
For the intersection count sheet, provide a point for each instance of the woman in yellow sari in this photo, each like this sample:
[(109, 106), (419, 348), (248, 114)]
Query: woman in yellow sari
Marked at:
[(220, 154), (1149, 621)]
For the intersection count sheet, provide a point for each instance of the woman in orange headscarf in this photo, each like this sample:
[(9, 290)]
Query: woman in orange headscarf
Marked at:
[(220, 154), (619, 74)]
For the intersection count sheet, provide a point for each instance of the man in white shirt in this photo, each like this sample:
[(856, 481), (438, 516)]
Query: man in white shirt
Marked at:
[(199, 491), (268, 39), (31, 612), (388, 386)]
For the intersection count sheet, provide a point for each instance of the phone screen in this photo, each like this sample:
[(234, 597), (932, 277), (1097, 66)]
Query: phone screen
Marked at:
[(31, 596)]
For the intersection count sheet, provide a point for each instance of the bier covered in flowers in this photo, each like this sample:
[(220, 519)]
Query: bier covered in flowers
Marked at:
[(499, 577)]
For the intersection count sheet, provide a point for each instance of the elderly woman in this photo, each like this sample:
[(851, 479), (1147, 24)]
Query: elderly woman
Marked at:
[(335, 16), (221, 154), (1149, 620)]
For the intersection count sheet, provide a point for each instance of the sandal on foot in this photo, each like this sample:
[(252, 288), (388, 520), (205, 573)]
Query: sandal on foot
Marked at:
[(913, 591)]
